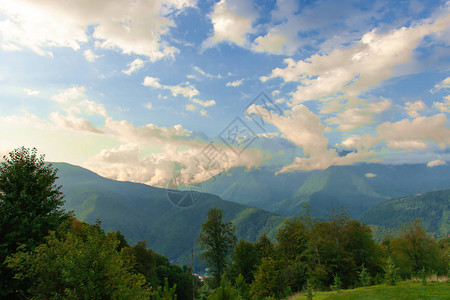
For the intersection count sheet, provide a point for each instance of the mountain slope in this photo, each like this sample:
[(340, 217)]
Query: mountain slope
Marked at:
[(356, 187), (433, 208), (143, 212)]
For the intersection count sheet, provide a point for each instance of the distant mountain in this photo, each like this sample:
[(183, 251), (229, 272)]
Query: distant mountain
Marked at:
[(142, 212), (356, 187), (433, 208)]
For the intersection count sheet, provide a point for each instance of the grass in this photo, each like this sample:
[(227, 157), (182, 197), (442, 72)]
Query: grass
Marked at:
[(403, 290)]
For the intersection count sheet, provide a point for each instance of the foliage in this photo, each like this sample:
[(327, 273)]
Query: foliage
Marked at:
[(337, 283), (364, 276), (245, 259), (30, 206), (413, 249), (216, 241), (242, 287), (225, 291), (78, 265), (390, 271), (165, 293)]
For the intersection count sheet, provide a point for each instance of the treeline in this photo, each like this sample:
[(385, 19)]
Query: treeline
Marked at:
[(310, 254), (45, 253)]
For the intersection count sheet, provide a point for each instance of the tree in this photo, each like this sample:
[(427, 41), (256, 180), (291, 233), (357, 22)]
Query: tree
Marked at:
[(216, 241), (245, 259), (30, 207), (83, 265)]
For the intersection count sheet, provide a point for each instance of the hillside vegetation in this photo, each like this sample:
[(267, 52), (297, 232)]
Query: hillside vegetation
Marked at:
[(433, 208), (356, 187), (142, 212)]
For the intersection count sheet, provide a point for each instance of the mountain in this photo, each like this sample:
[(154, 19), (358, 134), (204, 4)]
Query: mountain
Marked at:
[(355, 187), (143, 212), (433, 208)]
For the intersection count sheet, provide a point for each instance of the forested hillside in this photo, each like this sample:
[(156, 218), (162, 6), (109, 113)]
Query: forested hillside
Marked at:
[(433, 208), (143, 212), (355, 187)]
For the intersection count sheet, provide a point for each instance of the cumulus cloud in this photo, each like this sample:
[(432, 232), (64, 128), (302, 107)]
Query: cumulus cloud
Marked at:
[(355, 69), (148, 106), (186, 89), (30, 92), (443, 106), (413, 107), (134, 66), (67, 95), (90, 56), (133, 27), (436, 162), (415, 134), (204, 103), (190, 107), (232, 20), (354, 117), (304, 128), (235, 83)]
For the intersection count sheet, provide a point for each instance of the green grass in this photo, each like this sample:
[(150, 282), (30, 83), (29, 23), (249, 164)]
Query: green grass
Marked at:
[(403, 290)]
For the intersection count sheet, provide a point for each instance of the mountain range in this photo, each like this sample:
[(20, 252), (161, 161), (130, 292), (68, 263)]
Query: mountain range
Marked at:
[(355, 187), (260, 201)]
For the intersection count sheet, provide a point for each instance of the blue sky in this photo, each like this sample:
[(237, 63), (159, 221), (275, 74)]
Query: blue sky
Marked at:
[(138, 90)]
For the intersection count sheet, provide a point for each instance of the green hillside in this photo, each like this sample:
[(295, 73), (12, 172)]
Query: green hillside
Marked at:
[(433, 208), (356, 187), (143, 212)]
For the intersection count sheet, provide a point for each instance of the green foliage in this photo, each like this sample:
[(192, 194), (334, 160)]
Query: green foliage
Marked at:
[(165, 293), (242, 287), (423, 275), (433, 208), (225, 292), (364, 276), (337, 283), (30, 206), (390, 271), (245, 259), (216, 241), (81, 265), (267, 282), (413, 249)]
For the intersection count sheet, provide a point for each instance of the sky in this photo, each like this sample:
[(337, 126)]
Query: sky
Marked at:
[(152, 90)]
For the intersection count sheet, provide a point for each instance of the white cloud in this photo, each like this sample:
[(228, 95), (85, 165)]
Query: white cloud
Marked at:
[(370, 175), (186, 89), (90, 56), (148, 106), (415, 134), (443, 106), (190, 107), (91, 107), (205, 103), (355, 69), (69, 94), (132, 27), (204, 113), (436, 162), (444, 84), (355, 117), (31, 92), (152, 81), (232, 21), (134, 66), (235, 83), (413, 107), (204, 74), (271, 42), (72, 122)]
